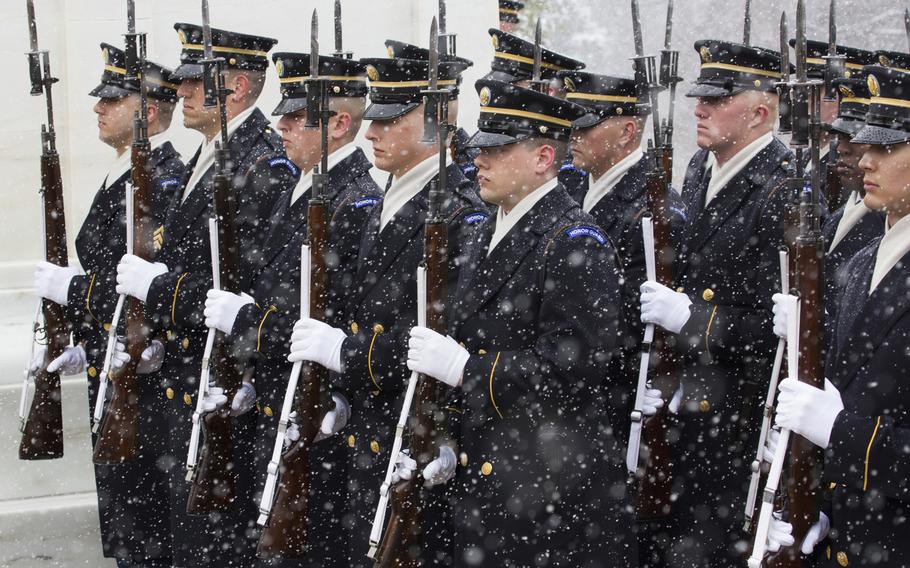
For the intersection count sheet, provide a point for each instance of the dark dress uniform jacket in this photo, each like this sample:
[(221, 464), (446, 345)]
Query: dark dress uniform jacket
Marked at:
[(132, 527), (381, 310), (868, 461), (867, 229), (728, 264), (175, 303), (541, 481), (267, 325)]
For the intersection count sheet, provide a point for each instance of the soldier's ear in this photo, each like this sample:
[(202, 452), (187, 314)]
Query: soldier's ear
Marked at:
[(342, 127), (152, 110), (240, 85)]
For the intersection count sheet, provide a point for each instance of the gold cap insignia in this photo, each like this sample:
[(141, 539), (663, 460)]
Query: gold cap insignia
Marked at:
[(570, 84), (485, 96), (847, 74), (705, 54), (181, 35), (105, 56), (619, 110), (279, 67), (846, 92), (391, 52), (372, 73), (874, 87), (883, 59), (543, 129), (495, 43), (757, 83)]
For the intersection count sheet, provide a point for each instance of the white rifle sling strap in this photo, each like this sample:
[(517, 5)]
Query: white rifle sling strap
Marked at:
[(769, 402), (271, 480), (115, 320), (777, 464), (632, 452), (193, 452), (386, 487), (23, 394)]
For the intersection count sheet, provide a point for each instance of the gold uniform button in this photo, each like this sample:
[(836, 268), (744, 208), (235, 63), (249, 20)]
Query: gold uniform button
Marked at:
[(187, 399), (374, 447), (704, 406), (92, 372), (354, 327), (185, 343), (707, 295), (351, 441), (169, 393), (377, 328), (832, 486), (267, 411), (842, 558), (463, 459), (486, 468), (107, 327), (481, 351)]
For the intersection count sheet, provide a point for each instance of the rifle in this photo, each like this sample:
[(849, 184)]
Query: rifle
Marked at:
[(655, 485), (118, 439), (339, 51), (402, 544), (213, 481), (286, 528), (42, 429), (536, 83), (835, 68), (747, 24)]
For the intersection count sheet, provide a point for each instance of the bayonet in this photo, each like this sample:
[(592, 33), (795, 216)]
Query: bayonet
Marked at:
[(668, 34), (430, 98), (32, 26), (442, 17), (130, 16), (34, 56), (800, 41), (537, 83), (747, 24), (783, 86), (434, 56), (339, 50), (832, 28), (636, 30), (907, 25), (206, 31), (314, 46), (835, 65), (446, 40)]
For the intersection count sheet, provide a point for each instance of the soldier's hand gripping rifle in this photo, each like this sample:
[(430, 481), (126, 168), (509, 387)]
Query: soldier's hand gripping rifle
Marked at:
[(835, 68), (284, 513), (401, 545), (653, 497), (42, 428), (213, 479), (117, 439)]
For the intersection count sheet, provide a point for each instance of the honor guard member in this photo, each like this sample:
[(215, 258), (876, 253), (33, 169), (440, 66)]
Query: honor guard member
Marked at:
[(263, 320), (174, 288), (509, 12), (533, 324), (860, 417), (369, 353), (853, 226), (461, 155), (727, 258), (134, 528), (816, 51), (513, 62)]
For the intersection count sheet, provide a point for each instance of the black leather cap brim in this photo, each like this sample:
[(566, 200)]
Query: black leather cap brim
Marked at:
[(846, 126), (287, 106), (500, 76), (708, 91), (388, 111), (103, 91), (188, 71), (880, 136), (483, 139), (588, 120)]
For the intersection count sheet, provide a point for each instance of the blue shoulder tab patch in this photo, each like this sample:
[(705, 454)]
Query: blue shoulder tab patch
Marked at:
[(586, 231), (285, 162), (169, 182), (475, 218), (365, 202), (680, 211)]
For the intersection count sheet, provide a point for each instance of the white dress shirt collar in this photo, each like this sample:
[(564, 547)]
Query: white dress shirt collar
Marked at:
[(306, 180), (406, 187), (207, 151), (854, 210), (602, 187), (721, 175), (505, 223), (893, 246)]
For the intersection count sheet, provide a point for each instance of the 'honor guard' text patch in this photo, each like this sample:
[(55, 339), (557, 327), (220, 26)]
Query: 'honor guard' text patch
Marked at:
[(365, 202), (285, 162), (586, 231), (169, 182), (475, 218)]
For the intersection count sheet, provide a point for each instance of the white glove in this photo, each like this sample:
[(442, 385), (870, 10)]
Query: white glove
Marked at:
[(335, 419), (817, 533), (221, 309), (652, 401), (664, 307), (53, 282), (292, 434), (317, 341), (150, 361), (436, 355), (784, 305), (780, 534), (677, 399), (71, 362), (214, 399), (438, 471), (808, 411), (134, 276), (767, 453), (244, 399)]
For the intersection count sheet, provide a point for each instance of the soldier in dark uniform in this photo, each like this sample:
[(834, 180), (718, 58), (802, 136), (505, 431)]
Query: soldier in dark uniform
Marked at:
[(509, 11), (369, 353), (853, 226), (717, 305), (134, 529), (537, 314), (263, 320), (513, 62), (174, 288), (861, 417)]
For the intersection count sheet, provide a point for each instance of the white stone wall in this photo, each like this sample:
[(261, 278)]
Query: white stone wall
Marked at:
[(72, 30)]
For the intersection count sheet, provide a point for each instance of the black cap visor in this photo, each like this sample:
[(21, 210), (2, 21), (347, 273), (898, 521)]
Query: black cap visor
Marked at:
[(388, 111), (710, 91), (104, 91), (846, 126), (502, 76), (289, 105), (880, 136), (188, 71), (482, 139), (589, 120)]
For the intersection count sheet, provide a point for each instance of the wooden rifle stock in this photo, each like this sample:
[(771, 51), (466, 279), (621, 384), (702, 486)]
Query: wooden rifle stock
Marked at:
[(42, 433), (285, 535), (403, 540)]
